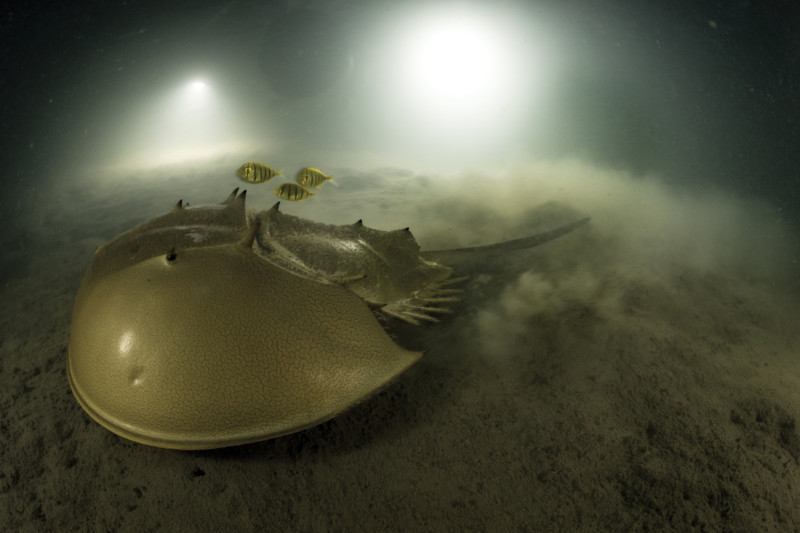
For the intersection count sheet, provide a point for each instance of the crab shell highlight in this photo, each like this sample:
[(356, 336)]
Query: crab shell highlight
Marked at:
[(203, 329)]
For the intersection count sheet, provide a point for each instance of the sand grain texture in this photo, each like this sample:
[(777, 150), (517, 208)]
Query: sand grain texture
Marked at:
[(584, 391)]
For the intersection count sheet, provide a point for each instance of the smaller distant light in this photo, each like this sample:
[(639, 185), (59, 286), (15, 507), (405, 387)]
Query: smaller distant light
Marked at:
[(193, 95)]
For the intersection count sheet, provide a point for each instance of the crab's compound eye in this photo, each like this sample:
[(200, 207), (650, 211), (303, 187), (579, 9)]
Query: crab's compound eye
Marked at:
[(172, 256)]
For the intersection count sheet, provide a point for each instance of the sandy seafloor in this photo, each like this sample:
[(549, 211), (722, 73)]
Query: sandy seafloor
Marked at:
[(642, 373)]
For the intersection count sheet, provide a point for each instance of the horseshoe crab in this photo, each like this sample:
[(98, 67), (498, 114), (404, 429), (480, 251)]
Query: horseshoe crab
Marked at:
[(208, 327)]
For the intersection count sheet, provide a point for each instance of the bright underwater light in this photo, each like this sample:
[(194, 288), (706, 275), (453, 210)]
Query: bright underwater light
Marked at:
[(195, 96), (187, 122), (459, 78), (454, 61)]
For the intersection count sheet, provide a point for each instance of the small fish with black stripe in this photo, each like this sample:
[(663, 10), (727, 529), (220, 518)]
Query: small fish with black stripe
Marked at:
[(292, 192), (257, 172), (312, 177)]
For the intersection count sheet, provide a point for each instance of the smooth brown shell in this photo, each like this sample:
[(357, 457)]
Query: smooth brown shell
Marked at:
[(213, 346)]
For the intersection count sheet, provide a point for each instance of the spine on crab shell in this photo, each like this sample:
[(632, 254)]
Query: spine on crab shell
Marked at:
[(250, 236), (233, 212), (435, 309), (405, 232), (451, 281), (232, 196)]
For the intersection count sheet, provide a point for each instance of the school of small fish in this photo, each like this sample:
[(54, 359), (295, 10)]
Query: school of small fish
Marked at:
[(306, 178)]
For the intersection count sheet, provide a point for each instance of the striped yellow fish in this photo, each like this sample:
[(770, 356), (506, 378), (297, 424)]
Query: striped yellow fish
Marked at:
[(312, 177), (257, 172), (292, 192)]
